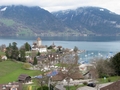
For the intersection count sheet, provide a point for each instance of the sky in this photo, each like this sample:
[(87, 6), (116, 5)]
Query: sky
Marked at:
[(56, 5)]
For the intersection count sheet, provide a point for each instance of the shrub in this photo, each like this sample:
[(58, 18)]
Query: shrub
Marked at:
[(85, 83), (44, 88), (109, 80), (26, 66)]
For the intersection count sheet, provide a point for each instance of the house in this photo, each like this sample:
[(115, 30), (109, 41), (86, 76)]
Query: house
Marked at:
[(76, 76), (54, 46), (113, 86), (85, 67), (11, 86), (61, 76), (41, 58), (23, 78), (37, 46)]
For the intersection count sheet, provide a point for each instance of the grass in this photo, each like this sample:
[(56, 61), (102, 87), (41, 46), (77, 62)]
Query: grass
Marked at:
[(112, 79), (7, 22), (73, 87), (10, 70), (2, 53), (25, 31)]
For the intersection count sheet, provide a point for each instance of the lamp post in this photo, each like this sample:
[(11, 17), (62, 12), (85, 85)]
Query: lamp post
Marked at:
[(49, 83)]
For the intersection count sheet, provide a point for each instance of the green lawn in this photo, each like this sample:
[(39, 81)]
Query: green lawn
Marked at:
[(10, 70), (112, 79), (73, 87)]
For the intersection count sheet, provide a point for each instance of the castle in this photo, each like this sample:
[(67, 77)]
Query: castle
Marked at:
[(37, 46)]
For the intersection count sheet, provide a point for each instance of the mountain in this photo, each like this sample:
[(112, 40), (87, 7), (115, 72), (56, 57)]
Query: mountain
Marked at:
[(28, 21), (91, 21)]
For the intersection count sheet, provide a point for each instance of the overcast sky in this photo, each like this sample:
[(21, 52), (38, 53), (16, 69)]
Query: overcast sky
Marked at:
[(55, 5)]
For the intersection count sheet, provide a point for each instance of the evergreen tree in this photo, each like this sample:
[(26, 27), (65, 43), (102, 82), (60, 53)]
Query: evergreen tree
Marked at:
[(75, 49), (8, 52), (27, 46), (35, 61), (12, 51), (22, 55), (15, 51), (116, 63), (38, 54)]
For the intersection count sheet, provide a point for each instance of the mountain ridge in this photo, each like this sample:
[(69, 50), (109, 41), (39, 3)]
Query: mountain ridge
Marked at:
[(91, 18), (35, 21)]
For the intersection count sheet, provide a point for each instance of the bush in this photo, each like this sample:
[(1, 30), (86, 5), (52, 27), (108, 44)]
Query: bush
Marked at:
[(85, 83), (44, 88), (109, 80), (26, 66)]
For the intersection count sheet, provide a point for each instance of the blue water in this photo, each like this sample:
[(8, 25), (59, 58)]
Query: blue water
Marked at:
[(92, 48)]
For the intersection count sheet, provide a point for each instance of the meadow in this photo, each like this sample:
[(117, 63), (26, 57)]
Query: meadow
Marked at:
[(10, 71)]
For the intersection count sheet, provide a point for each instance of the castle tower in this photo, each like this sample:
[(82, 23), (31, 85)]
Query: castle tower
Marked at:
[(39, 42)]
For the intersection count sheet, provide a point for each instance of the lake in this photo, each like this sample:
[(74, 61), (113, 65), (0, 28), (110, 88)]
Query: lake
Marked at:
[(93, 48)]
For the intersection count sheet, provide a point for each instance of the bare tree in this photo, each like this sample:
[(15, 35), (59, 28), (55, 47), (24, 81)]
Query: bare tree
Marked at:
[(103, 67)]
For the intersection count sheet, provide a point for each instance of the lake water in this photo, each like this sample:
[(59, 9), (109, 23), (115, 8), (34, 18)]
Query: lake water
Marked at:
[(93, 48)]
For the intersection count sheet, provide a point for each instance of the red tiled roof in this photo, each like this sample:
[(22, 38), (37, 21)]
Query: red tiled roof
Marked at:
[(38, 39), (113, 86), (76, 76)]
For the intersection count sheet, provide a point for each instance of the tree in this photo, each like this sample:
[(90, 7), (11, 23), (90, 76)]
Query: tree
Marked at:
[(22, 55), (8, 52), (116, 63), (103, 67), (76, 58), (12, 51), (50, 47), (35, 61), (75, 49), (15, 51), (27, 46), (38, 54)]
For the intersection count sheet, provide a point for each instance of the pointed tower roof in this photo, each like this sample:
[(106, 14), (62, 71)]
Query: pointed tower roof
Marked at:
[(38, 39)]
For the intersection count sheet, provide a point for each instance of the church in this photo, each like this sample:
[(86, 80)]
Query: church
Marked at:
[(37, 46)]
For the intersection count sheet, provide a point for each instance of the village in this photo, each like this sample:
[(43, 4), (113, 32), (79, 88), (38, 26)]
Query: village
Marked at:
[(58, 69)]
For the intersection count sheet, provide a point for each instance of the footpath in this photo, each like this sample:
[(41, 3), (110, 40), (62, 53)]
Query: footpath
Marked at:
[(98, 86)]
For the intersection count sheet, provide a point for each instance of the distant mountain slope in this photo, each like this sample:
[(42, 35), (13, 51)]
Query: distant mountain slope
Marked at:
[(35, 21), (91, 20), (32, 19)]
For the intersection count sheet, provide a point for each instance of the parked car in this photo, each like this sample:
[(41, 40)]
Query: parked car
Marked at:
[(91, 84)]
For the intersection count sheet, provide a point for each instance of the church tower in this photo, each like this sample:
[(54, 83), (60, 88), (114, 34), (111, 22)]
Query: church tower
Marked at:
[(39, 42)]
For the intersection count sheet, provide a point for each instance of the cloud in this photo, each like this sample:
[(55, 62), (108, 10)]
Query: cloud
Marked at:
[(55, 5)]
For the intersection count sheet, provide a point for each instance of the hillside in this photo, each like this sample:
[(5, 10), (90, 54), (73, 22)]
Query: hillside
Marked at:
[(91, 20), (11, 70), (26, 21)]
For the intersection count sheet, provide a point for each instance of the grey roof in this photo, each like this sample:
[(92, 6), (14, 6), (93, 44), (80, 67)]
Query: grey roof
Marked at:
[(22, 77)]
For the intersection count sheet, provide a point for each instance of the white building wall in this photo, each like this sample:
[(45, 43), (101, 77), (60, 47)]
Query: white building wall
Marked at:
[(42, 50)]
